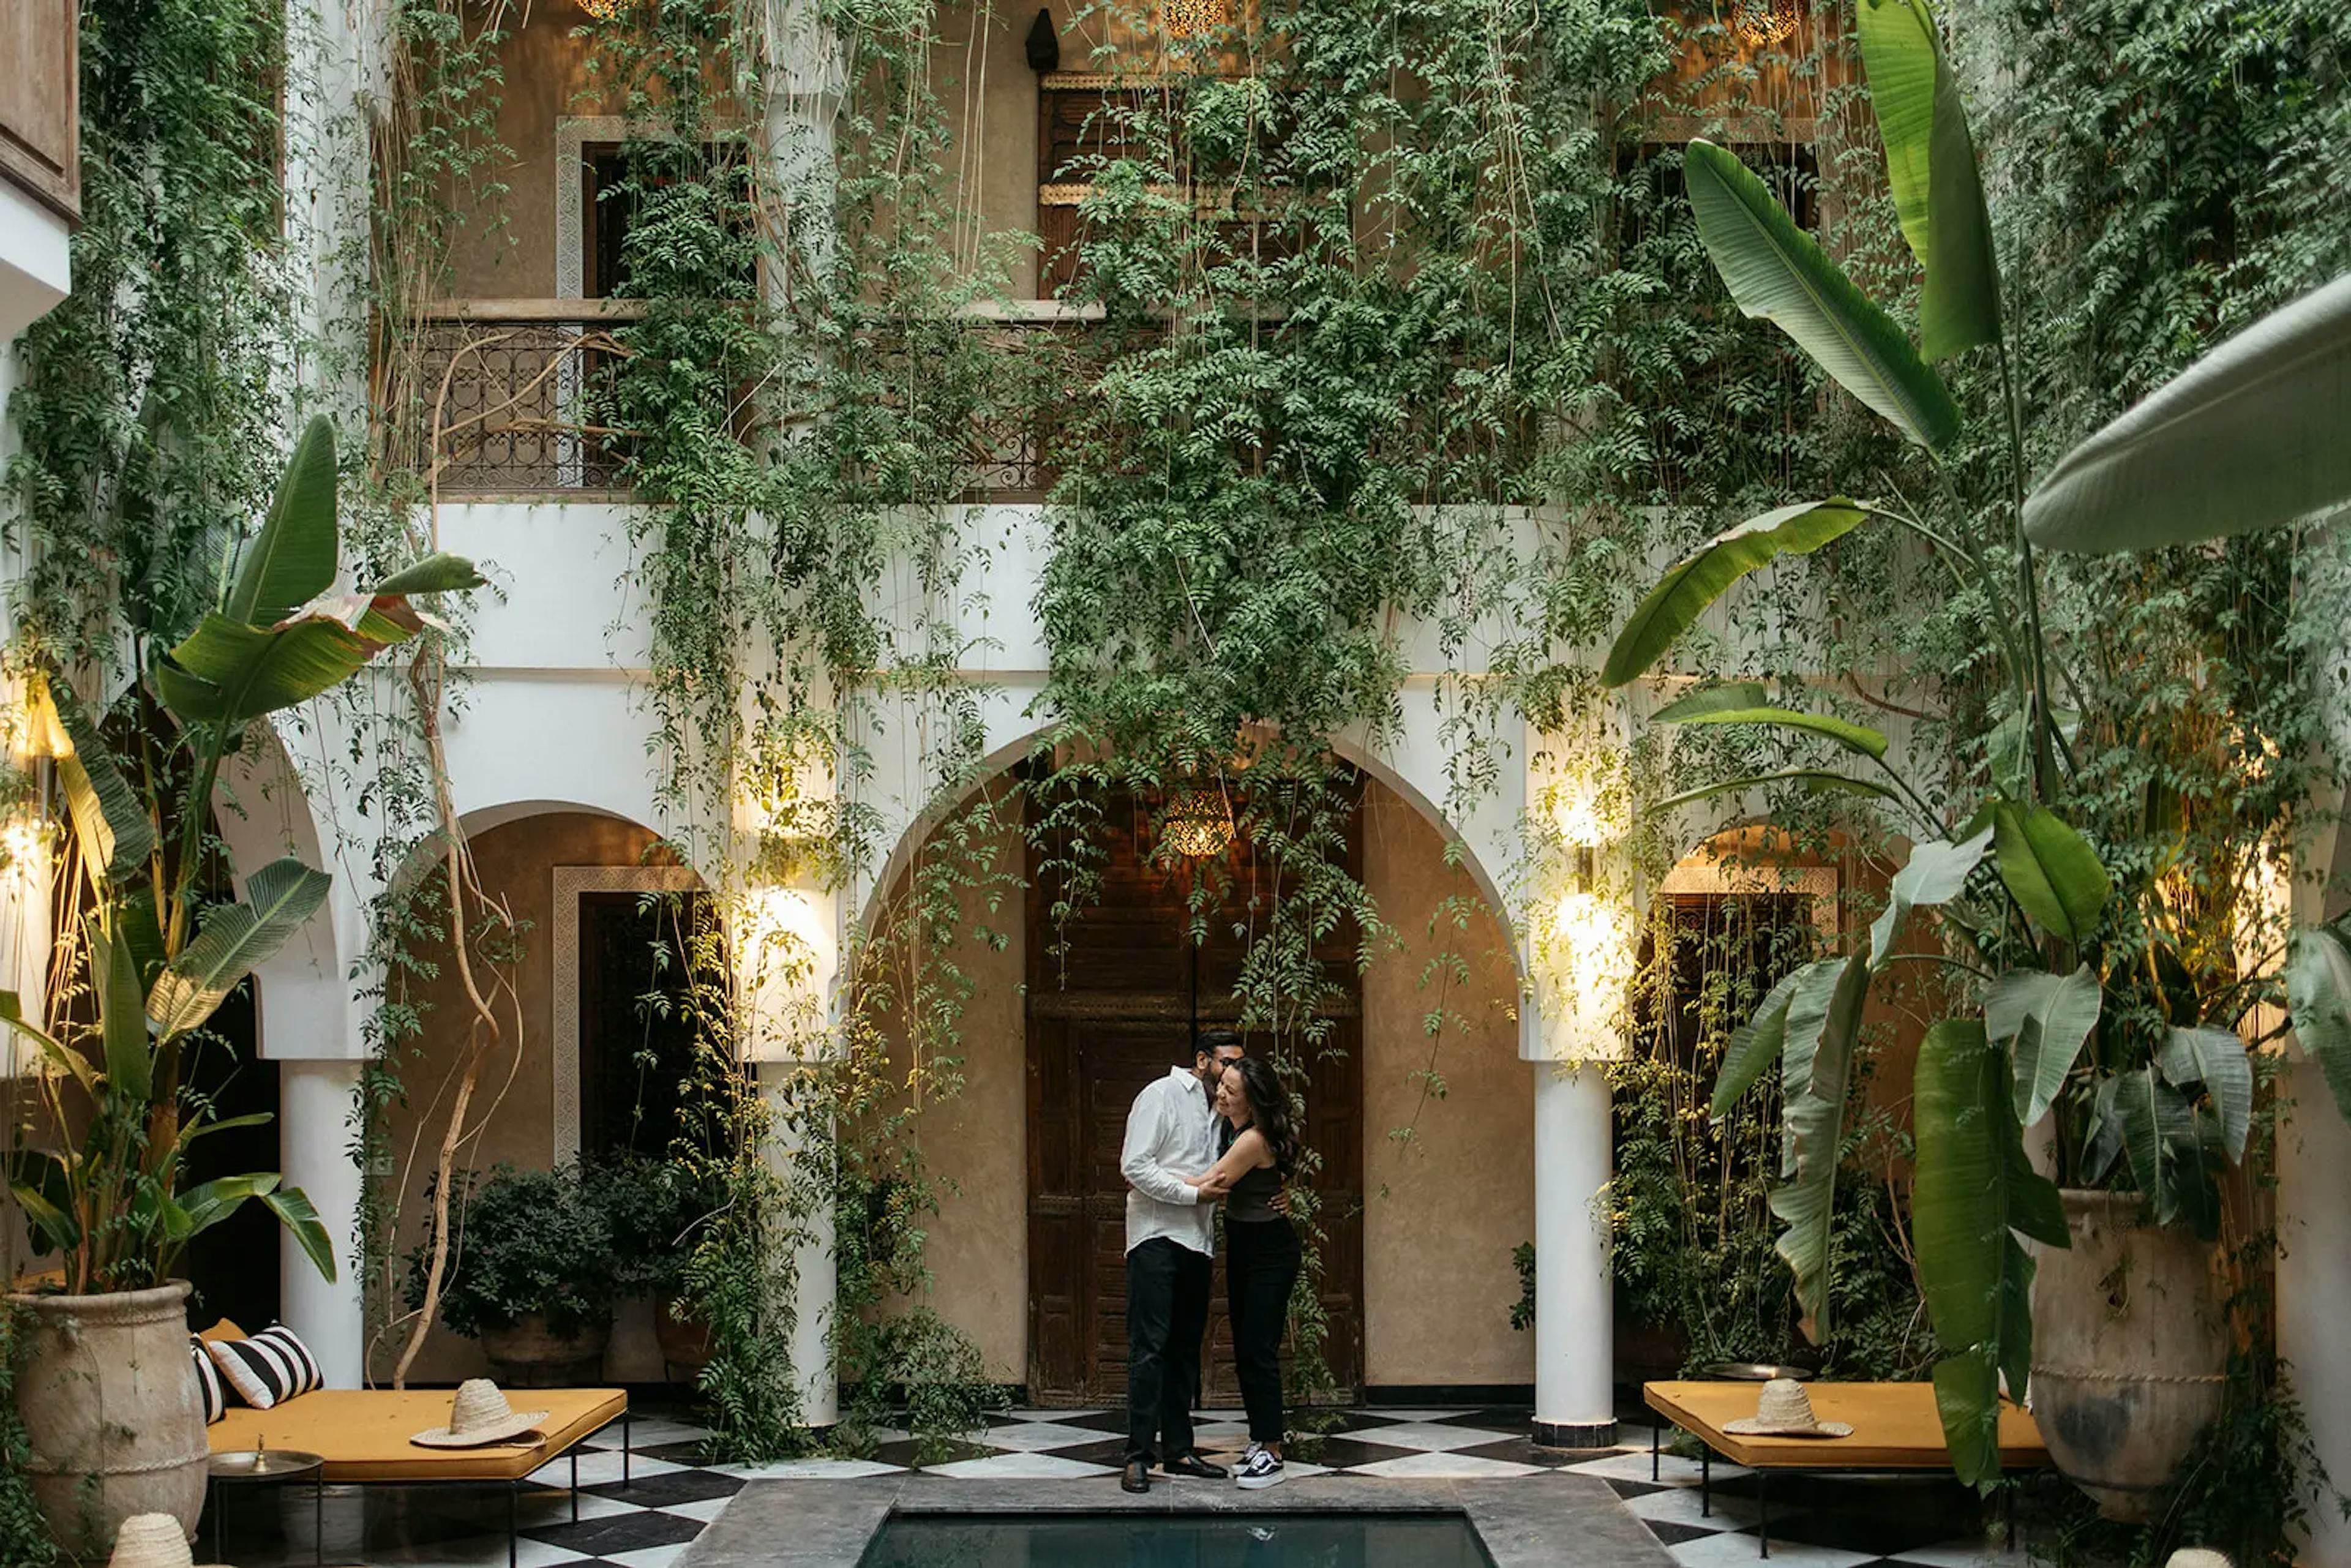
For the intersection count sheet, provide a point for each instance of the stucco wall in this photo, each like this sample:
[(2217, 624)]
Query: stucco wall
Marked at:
[(1443, 1211), (516, 862)]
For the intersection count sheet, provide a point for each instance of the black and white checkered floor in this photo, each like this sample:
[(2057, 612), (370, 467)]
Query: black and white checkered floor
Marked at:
[(647, 1520)]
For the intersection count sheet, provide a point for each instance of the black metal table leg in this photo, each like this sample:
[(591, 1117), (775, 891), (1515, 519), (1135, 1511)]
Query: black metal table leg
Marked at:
[(624, 1445), (575, 1483), (514, 1524), (1763, 1511), (317, 1520), (1704, 1480), (220, 1522), (2007, 1507), (1657, 1430)]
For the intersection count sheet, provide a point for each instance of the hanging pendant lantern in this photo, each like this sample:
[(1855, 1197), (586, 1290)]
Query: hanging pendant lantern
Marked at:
[(1190, 18), (1199, 824), (1761, 23), (604, 10)]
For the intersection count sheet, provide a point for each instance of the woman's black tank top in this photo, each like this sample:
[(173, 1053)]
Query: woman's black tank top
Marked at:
[(1249, 1202)]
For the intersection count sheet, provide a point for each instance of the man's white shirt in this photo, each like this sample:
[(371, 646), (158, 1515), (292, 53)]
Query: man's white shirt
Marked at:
[(1171, 1134)]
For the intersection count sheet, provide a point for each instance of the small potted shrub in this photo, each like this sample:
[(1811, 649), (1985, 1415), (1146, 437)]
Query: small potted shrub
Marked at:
[(656, 1211), (531, 1275)]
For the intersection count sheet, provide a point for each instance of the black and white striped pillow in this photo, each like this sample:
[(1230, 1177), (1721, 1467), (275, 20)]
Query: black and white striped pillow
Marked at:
[(208, 1382), (269, 1369)]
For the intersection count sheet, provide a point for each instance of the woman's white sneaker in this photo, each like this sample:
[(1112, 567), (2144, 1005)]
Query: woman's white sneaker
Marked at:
[(1259, 1470)]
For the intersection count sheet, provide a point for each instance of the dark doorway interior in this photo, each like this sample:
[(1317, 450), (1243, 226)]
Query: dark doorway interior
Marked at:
[(233, 1265), (637, 1033)]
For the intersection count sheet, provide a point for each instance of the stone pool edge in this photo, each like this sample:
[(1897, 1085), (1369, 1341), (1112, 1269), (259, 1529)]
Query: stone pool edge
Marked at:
[(1556, 1522)]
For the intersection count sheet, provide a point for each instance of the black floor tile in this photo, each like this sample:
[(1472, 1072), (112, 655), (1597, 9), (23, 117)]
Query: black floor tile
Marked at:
[(690, 1452), (1524, 1451), (904, 1452), (1342, 1453), (1623, 1487), (1671, 1534), (621, 1532), (673, 1487), (1854, 1532)]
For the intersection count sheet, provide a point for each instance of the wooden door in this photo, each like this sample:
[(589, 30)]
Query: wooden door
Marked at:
[(1108, 1015)]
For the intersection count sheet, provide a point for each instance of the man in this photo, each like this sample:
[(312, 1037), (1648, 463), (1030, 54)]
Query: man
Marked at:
[(1170, 1137)]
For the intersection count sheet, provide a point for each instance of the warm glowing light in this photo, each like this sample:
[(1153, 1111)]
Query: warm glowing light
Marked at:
[(1591, 938), (1575, 816), (1189, 18), (1199, 824), (1759, 23), (604, 10), (25, 847)]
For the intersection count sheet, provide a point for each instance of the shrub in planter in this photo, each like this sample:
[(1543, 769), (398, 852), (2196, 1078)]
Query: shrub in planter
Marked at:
[(657, 1210), (531, 1272)]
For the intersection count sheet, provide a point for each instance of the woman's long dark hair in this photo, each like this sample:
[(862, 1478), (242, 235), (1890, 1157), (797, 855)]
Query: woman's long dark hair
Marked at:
[(1268, 1104)]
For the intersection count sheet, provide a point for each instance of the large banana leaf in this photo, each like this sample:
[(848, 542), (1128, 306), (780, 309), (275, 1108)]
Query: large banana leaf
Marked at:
[(228, 672), (59, 1055), (2247, 436), (2216, 1058), (2159, 1141), (2318, 994), (1754, 1046), (294, 1209), (292, 560), (1775, 270), (439, 572), (2051, 870), (1823, 1021), (43, 1187), (281, 896), (207, 1204), (2047, 1017), (1682, 595), (1935, 873), (1930, 161), (1974, 1187), (1744, 702), (122, 1013), (113, 828)]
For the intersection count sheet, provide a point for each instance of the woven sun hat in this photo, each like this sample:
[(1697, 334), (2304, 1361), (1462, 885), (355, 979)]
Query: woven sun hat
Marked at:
[(480, 1417), (1785, 1410), (2197, 1557), (151, 1541)]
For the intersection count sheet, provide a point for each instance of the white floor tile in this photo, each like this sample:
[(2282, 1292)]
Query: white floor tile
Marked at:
[(1434, 1467), (1019, 1468), (810, 1470), (1026, 1414), (1427, 1436), (702, 1512), (649, 1556), (1386, 1414), (1680, 1506), (1740, 1551), (598, 1469), (649, 1432), (1671, 1470), (1036, 1436), (555, 1508)]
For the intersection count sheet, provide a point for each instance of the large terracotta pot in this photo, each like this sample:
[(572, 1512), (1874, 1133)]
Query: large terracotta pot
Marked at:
[(110, 1402), (529, 1356), (2130, 1352), (684, 1341)]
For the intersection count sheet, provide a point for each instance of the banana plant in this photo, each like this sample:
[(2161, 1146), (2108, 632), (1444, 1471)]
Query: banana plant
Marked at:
[(2021, 896), (159, 955)]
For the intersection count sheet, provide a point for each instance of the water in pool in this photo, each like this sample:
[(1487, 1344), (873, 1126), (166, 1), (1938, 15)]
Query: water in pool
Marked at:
[(1159, 1540)]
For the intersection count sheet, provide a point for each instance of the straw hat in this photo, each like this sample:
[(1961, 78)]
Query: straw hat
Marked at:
[(2197, 1557), (151, 1541), (1784, 1410), (480, 1417)]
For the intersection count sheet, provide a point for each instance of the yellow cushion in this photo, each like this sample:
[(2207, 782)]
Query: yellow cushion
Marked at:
[(363, 1433), (223, 1330)]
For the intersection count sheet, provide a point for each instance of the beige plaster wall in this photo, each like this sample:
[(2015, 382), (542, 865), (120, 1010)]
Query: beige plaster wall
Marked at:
[(977, 1245), (516, 862), (1444, 1212), (546, 73)]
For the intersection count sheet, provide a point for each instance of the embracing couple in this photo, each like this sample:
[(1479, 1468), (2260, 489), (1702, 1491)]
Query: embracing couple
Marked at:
[(1216, 1132)]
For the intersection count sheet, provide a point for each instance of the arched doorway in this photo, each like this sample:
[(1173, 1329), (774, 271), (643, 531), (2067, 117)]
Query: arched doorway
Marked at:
[(1114, 993)]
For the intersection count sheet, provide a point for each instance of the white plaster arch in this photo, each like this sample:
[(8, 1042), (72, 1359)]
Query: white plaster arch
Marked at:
[(303, 996)]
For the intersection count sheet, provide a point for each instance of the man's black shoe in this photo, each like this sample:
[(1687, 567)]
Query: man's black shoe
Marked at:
[(1137, 1476), (1196, 1466)]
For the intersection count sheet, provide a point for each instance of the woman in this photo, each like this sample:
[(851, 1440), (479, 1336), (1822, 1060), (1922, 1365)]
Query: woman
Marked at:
[(1261, 1252)]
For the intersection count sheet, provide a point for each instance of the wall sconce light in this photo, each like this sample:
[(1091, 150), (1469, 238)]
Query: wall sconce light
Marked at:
[(1199, 824)]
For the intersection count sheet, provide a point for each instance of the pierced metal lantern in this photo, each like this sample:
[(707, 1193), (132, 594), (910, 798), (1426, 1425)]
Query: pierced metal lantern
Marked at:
[(1759, 23), (1199, 824), (1189, 18)]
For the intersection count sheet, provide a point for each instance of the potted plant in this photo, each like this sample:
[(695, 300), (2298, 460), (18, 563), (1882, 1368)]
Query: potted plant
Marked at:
[(102, 1383), (533, 1274), (2078, 1001), (656, 1211)]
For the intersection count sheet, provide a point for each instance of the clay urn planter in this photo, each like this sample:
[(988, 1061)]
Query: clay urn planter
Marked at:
[(111, 1411), (527, 1355), (2130, 1352), (685, 1340)]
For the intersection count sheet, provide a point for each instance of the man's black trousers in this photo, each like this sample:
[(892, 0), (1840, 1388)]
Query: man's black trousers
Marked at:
[(1166, 1319)]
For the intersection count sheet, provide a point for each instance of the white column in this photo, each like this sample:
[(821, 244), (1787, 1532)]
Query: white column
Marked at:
[(2314, 1280), (815, 1273), (314, 1109), (1575, 1403)]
